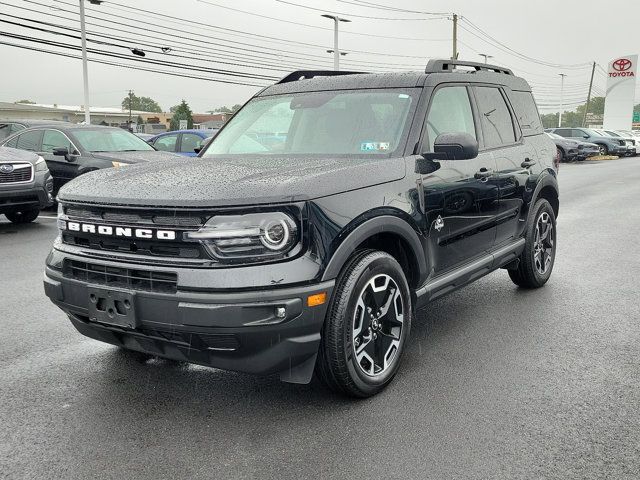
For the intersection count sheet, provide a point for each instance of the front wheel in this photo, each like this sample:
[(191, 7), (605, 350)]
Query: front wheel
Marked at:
[(367, 326), (603, 149), (26, 216), (537, 259)]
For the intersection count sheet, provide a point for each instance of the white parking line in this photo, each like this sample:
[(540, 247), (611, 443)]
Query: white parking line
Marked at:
[(51, 218)]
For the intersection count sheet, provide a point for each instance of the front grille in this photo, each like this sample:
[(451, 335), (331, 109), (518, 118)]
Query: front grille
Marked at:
[(22, 172), (174, 220), (118, 277)]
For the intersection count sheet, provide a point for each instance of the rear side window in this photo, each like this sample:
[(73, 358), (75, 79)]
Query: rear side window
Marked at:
[(563, 132), (495, 117), (8, 129), (450, 112), (526, 113), (166, 143), (26, 141)]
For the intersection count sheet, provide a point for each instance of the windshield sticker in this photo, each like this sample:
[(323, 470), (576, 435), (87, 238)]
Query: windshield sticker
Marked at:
[(374, 146)]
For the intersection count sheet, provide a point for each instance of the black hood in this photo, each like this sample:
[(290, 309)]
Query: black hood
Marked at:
[(137, 156), (14, 155), (212, 182)]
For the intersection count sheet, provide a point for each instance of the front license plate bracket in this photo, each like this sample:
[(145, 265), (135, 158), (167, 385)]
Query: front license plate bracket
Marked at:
[(113, 307)]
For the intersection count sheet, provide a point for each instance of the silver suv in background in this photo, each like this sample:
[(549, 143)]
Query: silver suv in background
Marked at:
[(608, 145)]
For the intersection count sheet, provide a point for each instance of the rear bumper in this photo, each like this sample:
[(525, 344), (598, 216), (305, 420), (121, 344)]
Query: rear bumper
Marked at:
[(38, 194), (232, 330)]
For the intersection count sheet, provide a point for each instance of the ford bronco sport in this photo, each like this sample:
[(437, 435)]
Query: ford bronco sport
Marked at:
[(308, 232)]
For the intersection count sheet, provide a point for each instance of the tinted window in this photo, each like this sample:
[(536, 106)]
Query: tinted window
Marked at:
[(28, 140), (575, 133), (166, 143), (55, 139), (497, 124), (8, 129), (190, 141), (526, 112), (109, 140), (450, 112), (563, 132)]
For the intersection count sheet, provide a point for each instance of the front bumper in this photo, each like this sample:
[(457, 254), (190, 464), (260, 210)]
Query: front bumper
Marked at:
[(19, 197), (231, 330)]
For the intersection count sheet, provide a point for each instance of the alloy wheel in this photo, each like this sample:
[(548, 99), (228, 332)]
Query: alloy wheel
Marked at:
[(543, 243), (377, 325)]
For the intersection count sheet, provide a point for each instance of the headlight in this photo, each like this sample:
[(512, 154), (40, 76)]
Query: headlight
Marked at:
[(255, 236), (41, 165), (62, 220), (120, 164)]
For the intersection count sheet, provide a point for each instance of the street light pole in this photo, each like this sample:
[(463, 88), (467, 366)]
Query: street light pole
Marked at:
[(562, 75), (485, 56), (336, 51), (85, 72)]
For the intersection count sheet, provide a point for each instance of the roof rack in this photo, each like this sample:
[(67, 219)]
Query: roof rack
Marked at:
[(439, 66), (307, 74)]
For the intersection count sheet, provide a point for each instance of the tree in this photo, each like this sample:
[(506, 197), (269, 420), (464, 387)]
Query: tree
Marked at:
[(182, 112), (144, 104), (28, 102), (636, 109)]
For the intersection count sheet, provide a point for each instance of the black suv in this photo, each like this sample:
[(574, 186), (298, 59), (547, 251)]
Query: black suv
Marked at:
[(307, 233)]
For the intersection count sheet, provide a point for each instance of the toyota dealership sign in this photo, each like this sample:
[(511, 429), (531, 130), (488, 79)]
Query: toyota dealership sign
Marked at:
[(621, 85)]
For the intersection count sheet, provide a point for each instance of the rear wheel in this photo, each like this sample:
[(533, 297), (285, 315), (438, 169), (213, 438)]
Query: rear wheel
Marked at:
[(367, 326), (537, 259), (23, 217), (561, 155)]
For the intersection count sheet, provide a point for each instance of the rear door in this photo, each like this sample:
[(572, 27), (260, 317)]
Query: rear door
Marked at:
[(460, 199)]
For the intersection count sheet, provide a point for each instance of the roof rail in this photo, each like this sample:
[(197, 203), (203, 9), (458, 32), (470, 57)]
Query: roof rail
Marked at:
[(439, 66), (307, 74)]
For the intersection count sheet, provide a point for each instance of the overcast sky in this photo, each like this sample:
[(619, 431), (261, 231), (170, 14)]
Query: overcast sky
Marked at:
[(567, 32)]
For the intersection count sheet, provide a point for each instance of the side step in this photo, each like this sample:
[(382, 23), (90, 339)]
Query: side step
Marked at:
[(449, 282)]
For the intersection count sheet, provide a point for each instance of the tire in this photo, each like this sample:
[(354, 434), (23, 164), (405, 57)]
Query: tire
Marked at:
[(539, 254), (362, 364), (604, 150), (561, 157), (23, 217)]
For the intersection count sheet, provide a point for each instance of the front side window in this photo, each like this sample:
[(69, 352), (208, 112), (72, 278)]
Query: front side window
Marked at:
[(109, 140), (497, 124), (336, 123), (450, 112), (575, 133), (190, 141), (55, 139), (166, 143)]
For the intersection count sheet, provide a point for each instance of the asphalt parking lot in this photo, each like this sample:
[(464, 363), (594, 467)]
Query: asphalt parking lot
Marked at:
[(497, 382)]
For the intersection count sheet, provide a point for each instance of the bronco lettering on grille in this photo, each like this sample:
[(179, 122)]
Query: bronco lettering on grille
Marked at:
[(124, 232)]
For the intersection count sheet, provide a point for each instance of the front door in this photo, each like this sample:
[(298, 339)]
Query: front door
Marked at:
[(62, 169), (461, 199)]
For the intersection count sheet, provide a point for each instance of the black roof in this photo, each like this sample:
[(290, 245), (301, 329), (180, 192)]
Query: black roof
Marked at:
[(435, 72)]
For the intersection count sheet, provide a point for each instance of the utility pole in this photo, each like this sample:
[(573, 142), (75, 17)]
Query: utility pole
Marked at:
[(85, 72), (562, 75), (130, 103), (485, 56), (454, 55), (586, 107), (336, 51)]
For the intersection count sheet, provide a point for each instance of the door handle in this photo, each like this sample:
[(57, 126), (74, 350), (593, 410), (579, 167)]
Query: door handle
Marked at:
[(527, 163), (483, 173)]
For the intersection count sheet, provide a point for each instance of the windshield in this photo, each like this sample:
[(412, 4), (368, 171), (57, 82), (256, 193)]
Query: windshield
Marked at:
[(110, 140), (337, 123)]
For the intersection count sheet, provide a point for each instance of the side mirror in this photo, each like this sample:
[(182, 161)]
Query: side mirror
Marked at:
[(197, 149), (426, 166), (585, 136), (453, 146), (61, 151)]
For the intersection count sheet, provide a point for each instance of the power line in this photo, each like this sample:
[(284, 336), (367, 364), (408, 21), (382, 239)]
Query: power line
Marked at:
[(355, 15), (388, 8)]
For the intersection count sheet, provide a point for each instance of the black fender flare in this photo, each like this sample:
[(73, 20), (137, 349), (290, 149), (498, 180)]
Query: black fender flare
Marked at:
[(546, 180), (379, 224)]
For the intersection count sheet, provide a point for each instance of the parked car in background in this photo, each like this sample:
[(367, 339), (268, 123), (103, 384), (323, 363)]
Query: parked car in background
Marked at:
[(632, 150), (570, 149), (183, 142), (9, 127), (26, 186), (71, 150), (607, 144)]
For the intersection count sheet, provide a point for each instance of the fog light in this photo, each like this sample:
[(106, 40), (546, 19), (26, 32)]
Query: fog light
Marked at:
[(317, 299), (281, 312)]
